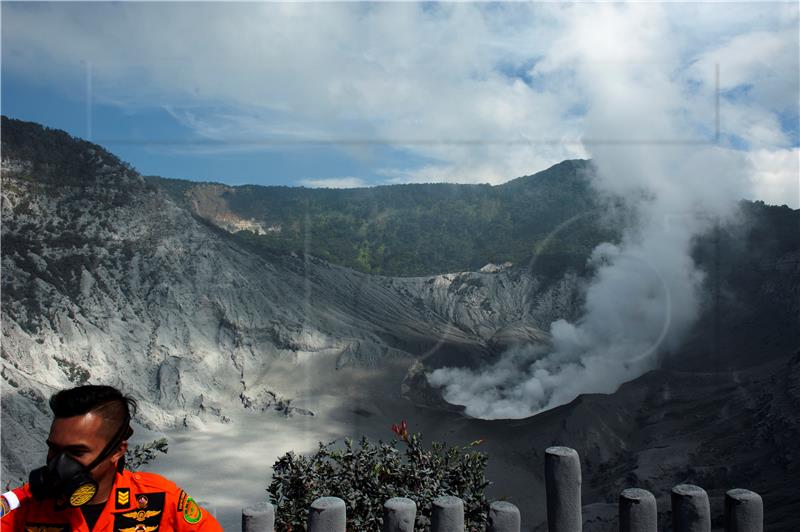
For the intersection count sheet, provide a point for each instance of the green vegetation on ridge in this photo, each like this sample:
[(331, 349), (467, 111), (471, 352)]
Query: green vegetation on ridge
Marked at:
[(55, 156), (419, 229)]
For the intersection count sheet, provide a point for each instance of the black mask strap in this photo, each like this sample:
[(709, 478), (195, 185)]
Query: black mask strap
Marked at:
[(123, 433)]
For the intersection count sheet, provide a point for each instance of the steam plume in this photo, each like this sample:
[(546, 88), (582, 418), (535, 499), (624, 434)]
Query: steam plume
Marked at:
[(644, 295)]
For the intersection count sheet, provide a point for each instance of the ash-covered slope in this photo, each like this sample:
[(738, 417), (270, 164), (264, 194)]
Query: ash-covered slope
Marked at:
[(106, 279)]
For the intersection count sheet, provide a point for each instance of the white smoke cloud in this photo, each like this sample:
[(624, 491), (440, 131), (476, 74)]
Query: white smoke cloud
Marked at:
[(644, 294)]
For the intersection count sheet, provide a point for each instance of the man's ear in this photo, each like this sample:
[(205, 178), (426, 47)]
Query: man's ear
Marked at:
[(120, 452)]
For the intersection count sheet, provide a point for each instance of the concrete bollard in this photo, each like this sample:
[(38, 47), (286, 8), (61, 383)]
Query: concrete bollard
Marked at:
[(562, 471), (447, 515), (503, 517), (399, 515), (637, 511), (327, 514), (259, 518), (744, 511), (690, 509)]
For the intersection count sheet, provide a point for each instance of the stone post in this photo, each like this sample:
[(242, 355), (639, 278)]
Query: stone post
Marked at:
[(562, 471), (503, 517), (637, 511), (448, 515), (259, 518), (744, 511), (327, 514), (690, 509), (399, 515)]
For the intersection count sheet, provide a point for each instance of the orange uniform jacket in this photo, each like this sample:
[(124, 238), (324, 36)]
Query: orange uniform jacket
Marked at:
[(139, 502)]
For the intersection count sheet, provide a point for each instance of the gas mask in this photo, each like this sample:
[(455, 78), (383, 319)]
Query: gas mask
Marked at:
[(66, 479)]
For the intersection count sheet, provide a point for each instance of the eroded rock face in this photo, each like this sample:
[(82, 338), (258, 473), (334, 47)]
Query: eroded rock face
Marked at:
[(109, 281), (210, 203)]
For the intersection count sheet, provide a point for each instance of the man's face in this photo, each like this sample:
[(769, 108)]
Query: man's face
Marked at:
[(83, 438)]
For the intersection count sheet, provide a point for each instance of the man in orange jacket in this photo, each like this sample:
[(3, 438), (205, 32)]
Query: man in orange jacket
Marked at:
[(84, 486)]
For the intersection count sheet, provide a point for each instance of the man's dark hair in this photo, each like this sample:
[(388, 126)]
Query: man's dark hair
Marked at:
[(106, 401)]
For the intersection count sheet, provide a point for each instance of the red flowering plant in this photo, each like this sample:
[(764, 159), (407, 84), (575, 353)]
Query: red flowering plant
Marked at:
[(367, 474), (401, 430)]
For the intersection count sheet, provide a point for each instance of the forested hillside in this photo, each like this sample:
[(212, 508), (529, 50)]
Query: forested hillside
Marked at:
[(418, 229)]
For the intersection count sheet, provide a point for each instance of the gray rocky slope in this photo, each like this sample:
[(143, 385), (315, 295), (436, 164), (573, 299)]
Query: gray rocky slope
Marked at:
[(105, 279), (109, 281)]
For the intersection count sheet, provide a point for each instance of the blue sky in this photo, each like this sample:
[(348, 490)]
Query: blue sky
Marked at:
[(157, 143), (360, 94)]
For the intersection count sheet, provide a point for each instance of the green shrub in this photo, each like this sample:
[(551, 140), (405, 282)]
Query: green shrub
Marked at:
[(143, 454), (367, 474)]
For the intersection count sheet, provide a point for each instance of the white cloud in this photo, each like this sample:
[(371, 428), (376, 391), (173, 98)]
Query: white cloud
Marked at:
[(777, 176), (486, 92), (336, 182), (418, 77), (751, 60)]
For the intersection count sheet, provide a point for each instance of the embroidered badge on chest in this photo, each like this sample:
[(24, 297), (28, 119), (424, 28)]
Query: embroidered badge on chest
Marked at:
[(141, 501), (145, 518), (123, 498), (142, 515), (139, 528)]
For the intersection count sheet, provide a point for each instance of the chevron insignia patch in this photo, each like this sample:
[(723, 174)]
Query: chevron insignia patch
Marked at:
[(123, 498)]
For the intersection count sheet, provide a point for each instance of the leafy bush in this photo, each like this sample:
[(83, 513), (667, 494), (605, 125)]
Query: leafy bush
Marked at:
[(143, 454), (366, 474)]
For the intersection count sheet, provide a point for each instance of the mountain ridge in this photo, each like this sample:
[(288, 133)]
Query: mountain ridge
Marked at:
[(418, 229)]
